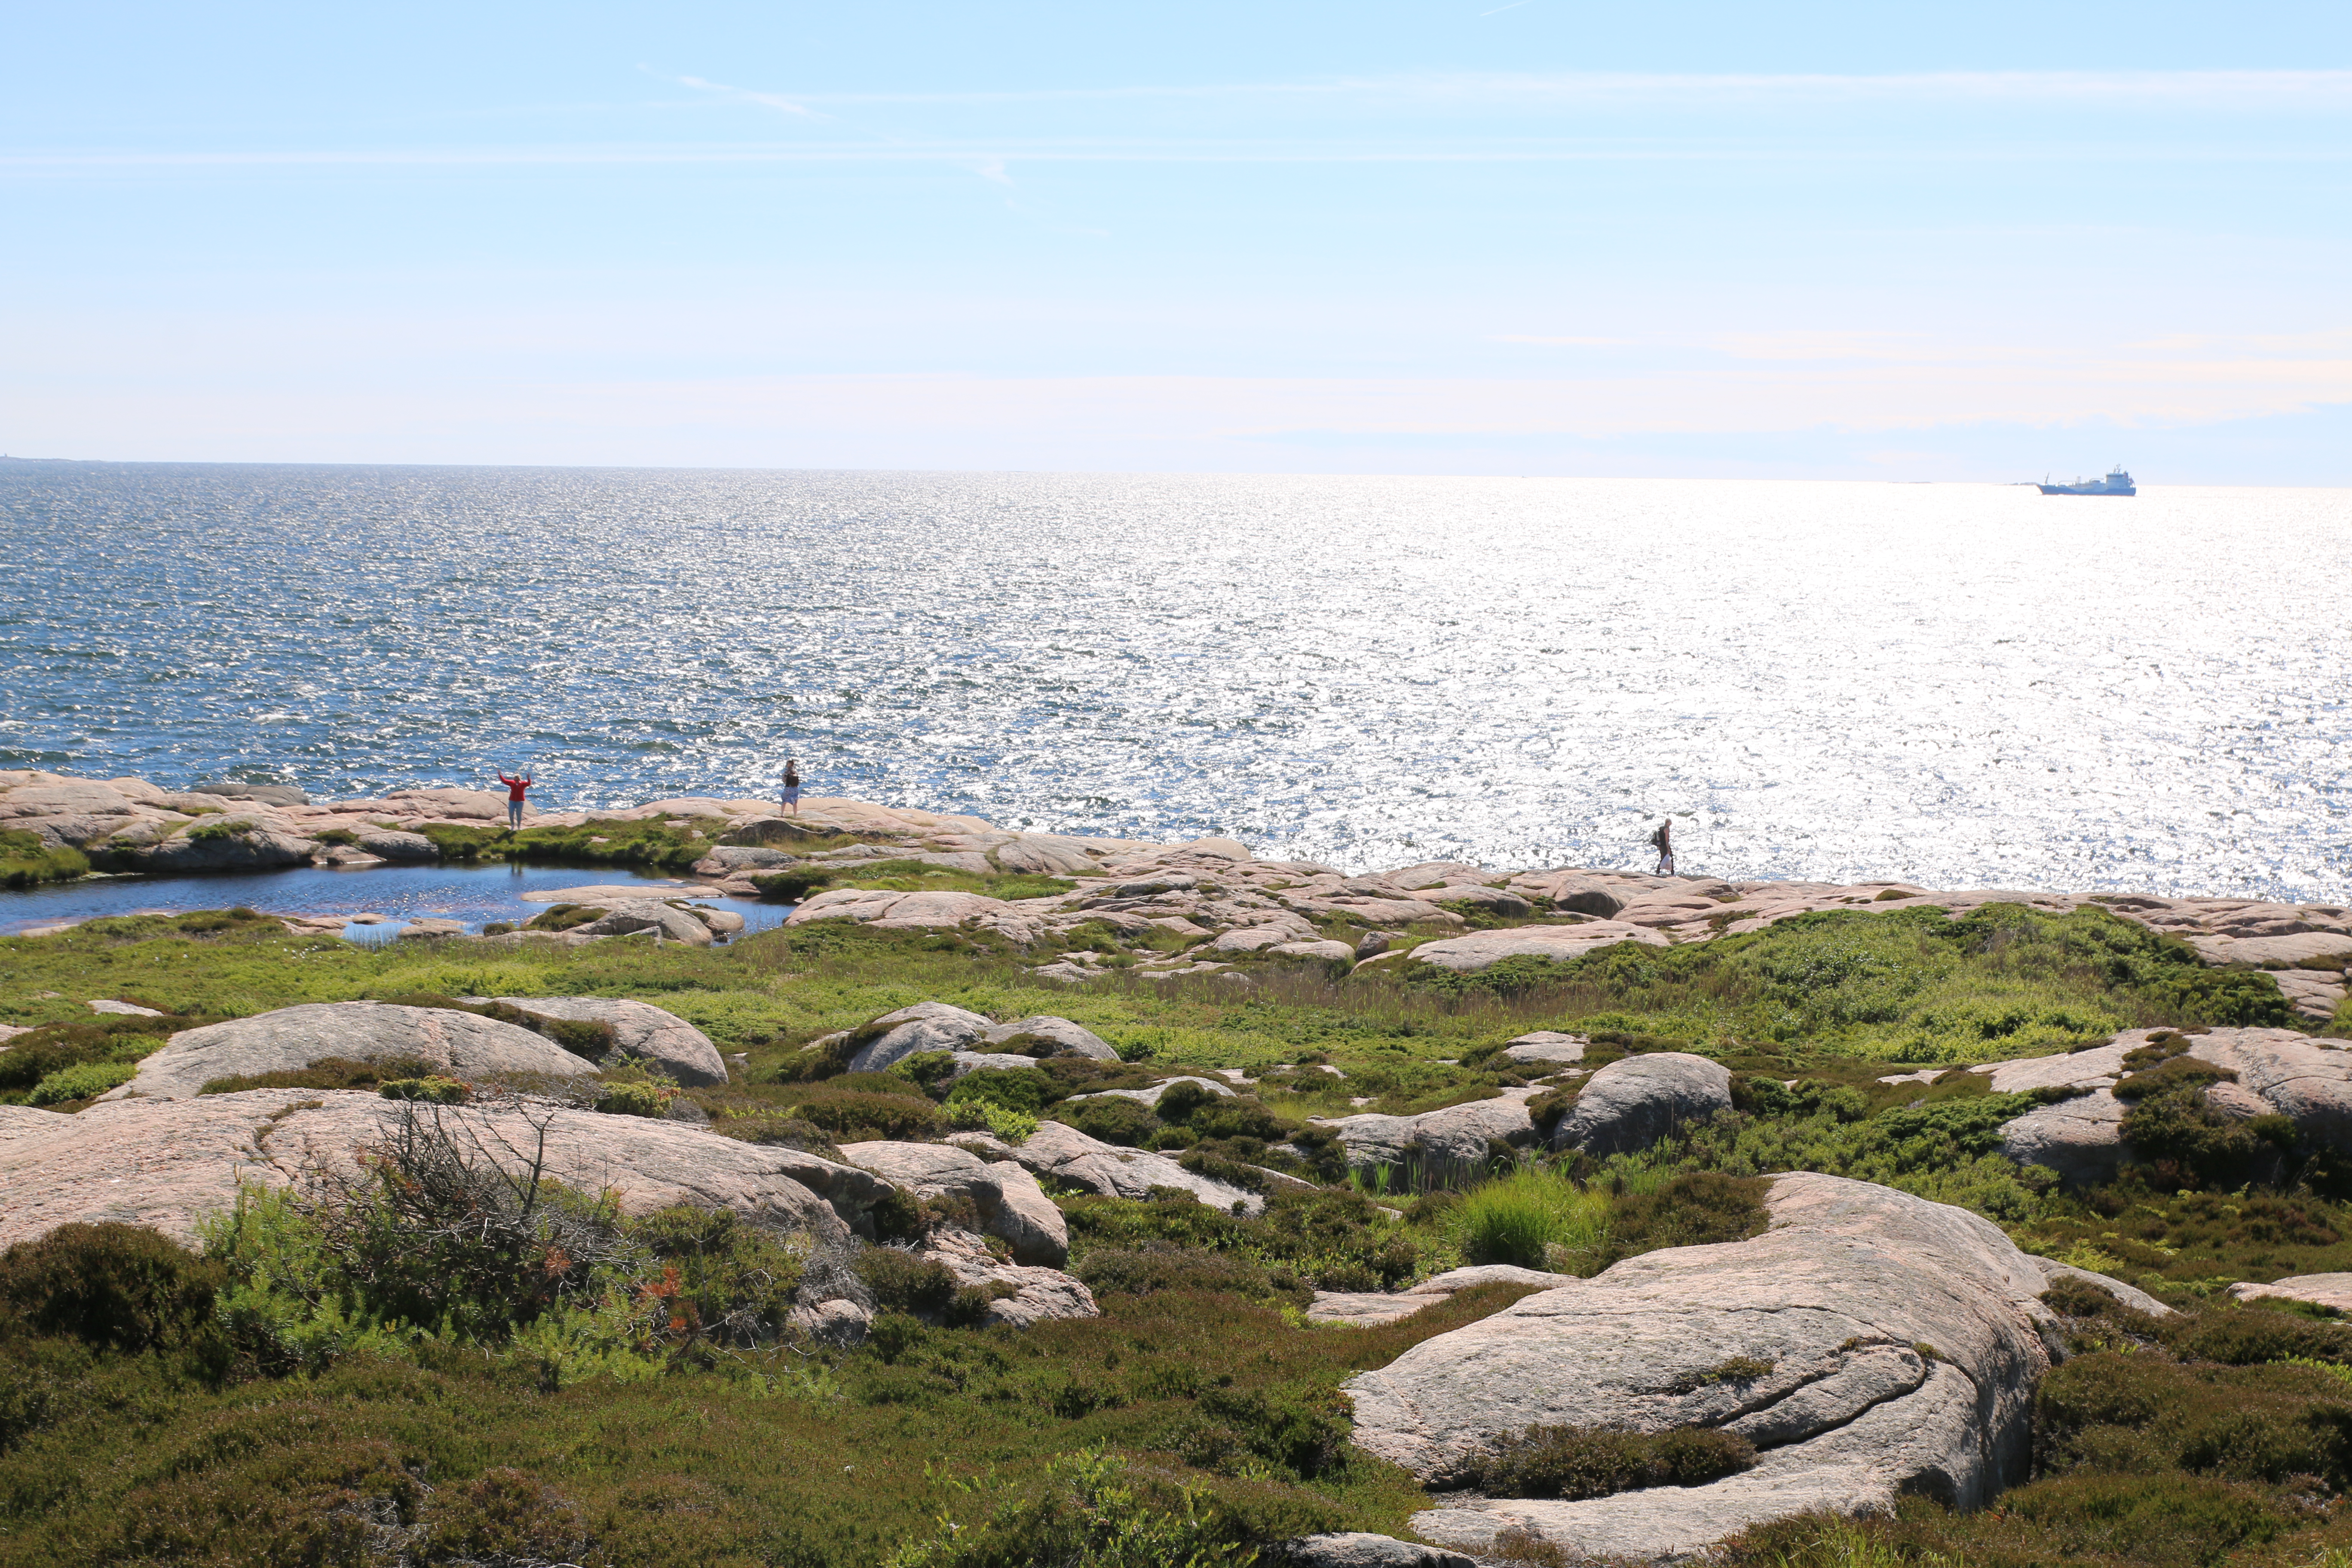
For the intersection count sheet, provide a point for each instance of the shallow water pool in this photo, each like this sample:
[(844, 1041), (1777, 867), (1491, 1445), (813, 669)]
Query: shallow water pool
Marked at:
[(474, 894)]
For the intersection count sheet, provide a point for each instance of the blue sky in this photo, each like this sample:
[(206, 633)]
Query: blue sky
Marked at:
[(1945, 241)]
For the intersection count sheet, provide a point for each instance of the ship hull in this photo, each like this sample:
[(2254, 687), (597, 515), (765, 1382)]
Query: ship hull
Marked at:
[(2087, 490)]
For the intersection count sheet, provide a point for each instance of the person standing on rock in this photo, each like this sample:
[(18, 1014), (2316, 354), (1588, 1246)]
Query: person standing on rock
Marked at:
[(1664, 838), (515, 788), (792, 795)]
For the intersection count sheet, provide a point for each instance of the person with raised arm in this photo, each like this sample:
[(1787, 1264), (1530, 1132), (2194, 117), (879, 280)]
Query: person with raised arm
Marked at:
[(515, 788)]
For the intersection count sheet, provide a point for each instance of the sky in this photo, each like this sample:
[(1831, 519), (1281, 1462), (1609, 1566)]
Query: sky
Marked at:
[(1940, 241)]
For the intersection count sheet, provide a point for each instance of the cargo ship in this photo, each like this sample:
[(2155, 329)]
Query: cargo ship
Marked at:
[(2117, 483)]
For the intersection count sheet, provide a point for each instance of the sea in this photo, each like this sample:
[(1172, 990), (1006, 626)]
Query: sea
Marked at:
[(1956, 686)]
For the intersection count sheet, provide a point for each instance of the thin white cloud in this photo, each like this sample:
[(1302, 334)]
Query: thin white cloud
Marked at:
[(747, 95), (2267, 88)]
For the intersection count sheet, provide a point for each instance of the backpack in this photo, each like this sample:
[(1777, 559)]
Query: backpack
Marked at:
[(1658, 838)]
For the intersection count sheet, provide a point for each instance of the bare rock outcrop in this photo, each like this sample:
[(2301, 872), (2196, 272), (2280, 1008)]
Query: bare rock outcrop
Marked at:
[(1010, 1204), (1456, 1136), (1485, 949), (1067, 1039), (910, 1032), (1904, 1340), (1546, 1047), (888, 910), (639, 1029), (1359, 1548), (166, 1164), (1369, 1309), (2333, 1290), (1632, 1103), (1065, 1154), (670, 923), (463, 1044)]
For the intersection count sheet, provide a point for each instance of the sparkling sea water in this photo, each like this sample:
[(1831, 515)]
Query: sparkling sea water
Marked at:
[(1958, 686)]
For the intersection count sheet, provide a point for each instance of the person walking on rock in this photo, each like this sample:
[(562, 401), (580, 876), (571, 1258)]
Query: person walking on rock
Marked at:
[(792, 795), (515, 788), (1664, 838)]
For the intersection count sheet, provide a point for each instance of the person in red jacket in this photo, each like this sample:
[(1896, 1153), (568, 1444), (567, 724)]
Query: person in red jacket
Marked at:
[(515, 788)]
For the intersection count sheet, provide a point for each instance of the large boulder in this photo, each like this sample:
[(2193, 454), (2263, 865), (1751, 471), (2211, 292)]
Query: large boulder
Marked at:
[(1904, 1340), (218, 844), (391, 843), (1040, 1294), (454, 805), (2080, 1138), (911, 1031), (1150, 1098), (463, 1045), (667, 1040), (1546, 1047), (1485, 949), (667, 922), (1632, 1103), (1068, 1039), (167, 1163), (1068, 1155), (887, 911), (1011, 1205), (1457, 1136)]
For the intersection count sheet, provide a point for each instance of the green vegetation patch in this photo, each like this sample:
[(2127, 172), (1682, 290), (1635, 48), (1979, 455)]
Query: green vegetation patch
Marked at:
[(1572, 1462), (1902, 985), (25, 861)]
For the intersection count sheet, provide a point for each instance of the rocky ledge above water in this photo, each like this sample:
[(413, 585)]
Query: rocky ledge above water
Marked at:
[(1160, 909)]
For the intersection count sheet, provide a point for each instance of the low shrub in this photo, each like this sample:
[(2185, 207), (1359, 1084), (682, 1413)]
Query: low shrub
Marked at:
[(328, 1072), (1022, 1089), (788, 1132), (502, 1516), (1091, 1514), (856, 1114), (1338, 1239), (1120, 1121), (84, 1080), (435, 1090), (622, 1099), (903, 1282), (1694, 1210), (1571, 1462), (32, 1057), (2257, 1333), (113, 1286), (1163, 1265)]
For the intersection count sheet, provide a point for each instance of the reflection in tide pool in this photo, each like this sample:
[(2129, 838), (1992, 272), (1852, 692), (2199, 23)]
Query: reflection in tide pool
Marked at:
[(474, 894), (1958, 686)]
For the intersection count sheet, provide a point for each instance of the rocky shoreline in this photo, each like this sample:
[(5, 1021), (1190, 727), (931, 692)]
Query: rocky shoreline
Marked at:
[(1218, 901)]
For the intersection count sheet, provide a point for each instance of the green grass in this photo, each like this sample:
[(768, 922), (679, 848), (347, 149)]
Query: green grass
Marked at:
[(1907, 985), (26, 862), (1523, 1216)]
